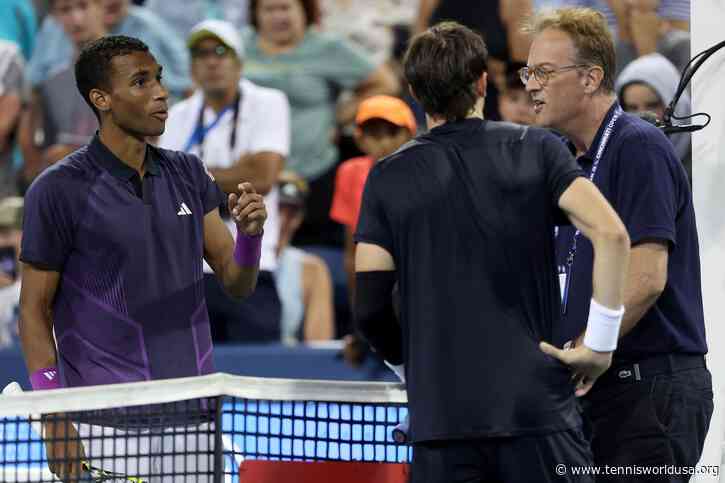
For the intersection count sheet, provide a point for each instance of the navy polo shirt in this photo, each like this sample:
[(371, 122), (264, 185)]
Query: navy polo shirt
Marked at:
[(130, 303), (641, 176)]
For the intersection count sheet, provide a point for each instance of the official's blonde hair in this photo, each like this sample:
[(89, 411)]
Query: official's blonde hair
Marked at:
[(589, 33)]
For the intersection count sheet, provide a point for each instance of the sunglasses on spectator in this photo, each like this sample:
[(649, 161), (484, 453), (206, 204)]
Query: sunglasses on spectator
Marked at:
[(219, 51), (542, 74)]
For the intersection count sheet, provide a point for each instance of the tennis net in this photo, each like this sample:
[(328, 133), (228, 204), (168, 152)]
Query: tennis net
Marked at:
[(198, 429)]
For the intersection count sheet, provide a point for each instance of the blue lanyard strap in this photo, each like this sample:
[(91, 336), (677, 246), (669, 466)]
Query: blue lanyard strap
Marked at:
[(200, 132), (595, 165)]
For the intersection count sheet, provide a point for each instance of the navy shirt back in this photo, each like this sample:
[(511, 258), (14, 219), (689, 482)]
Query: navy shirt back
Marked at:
[(640, 175), (468, 213), (130, 303)]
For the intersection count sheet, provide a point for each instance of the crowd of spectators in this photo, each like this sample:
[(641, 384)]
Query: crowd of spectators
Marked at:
[(300, 97)]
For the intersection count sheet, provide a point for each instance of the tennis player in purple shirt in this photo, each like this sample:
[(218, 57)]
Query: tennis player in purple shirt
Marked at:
[(114, 239)]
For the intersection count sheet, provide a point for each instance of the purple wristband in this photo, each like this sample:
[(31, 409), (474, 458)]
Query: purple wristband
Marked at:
[(248, 250), (46, 378)]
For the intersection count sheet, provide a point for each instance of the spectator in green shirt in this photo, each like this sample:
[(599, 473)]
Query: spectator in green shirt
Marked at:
[(286, 51)]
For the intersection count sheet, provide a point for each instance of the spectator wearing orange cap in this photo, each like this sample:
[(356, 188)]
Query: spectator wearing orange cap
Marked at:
[(384, 123)]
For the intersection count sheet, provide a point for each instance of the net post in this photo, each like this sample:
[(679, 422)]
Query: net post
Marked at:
[(218, 444)]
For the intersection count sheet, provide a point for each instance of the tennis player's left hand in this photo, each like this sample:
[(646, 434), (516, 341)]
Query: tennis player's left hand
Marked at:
[(247, 210), (586, 365)]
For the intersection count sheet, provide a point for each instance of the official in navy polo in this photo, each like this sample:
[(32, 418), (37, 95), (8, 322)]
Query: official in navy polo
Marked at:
[(115, 235), (653, 406)]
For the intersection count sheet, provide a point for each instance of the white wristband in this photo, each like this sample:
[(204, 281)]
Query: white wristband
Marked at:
[(602, 327), (399, 370)]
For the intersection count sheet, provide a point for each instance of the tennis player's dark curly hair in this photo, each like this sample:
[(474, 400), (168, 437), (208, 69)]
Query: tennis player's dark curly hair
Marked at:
[(442, 66), (93, 67)]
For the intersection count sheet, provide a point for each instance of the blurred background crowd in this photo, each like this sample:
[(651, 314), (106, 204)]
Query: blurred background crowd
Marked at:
[(300, 97)]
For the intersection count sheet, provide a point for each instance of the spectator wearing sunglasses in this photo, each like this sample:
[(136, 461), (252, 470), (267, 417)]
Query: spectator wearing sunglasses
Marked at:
[(241, 132)]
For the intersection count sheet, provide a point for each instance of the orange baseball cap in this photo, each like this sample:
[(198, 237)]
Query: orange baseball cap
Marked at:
[(388, 108)]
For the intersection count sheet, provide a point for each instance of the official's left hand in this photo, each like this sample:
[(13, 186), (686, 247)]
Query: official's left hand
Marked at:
[(247, 210)]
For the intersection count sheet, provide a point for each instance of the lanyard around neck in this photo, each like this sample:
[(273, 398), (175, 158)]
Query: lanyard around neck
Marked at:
[(595, 166), (200, 132)]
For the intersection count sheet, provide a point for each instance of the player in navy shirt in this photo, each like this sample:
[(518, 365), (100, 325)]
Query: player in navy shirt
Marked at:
[(114, 237), (463, 217), (653, 407)]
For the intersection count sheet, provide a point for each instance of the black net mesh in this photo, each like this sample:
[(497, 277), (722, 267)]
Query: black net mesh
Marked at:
[(193, 440)]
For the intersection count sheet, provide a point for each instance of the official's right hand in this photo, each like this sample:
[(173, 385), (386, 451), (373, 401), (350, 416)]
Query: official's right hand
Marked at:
[(585, 364), (63, 447)]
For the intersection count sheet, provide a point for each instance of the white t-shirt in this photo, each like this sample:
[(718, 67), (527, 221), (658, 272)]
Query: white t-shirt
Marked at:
[(263, 124)]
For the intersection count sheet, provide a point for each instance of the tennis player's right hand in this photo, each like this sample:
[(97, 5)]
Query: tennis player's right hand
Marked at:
[(585, 364), (247, 209), (63, 448)]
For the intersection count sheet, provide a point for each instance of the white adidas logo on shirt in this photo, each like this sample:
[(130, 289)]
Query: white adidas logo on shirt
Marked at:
[(184, 210)]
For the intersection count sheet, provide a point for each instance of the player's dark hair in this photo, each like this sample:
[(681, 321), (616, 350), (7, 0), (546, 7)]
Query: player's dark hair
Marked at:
[(93, 67), (442, 66)]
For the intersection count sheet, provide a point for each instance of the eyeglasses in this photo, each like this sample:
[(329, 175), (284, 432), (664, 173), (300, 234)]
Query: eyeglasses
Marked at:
[(219, 51), (543, 75)]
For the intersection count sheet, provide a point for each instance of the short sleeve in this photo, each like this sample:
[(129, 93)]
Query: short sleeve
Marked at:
[(48, 221), (373, 225), (345, 65), (645, 195), (561, 169), (272, 126), (211, 195), (343, 209)]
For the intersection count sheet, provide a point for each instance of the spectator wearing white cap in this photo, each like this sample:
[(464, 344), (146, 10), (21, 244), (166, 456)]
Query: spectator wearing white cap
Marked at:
[(240, 131)]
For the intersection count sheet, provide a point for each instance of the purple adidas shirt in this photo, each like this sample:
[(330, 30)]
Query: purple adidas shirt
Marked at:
[(130, 304)]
